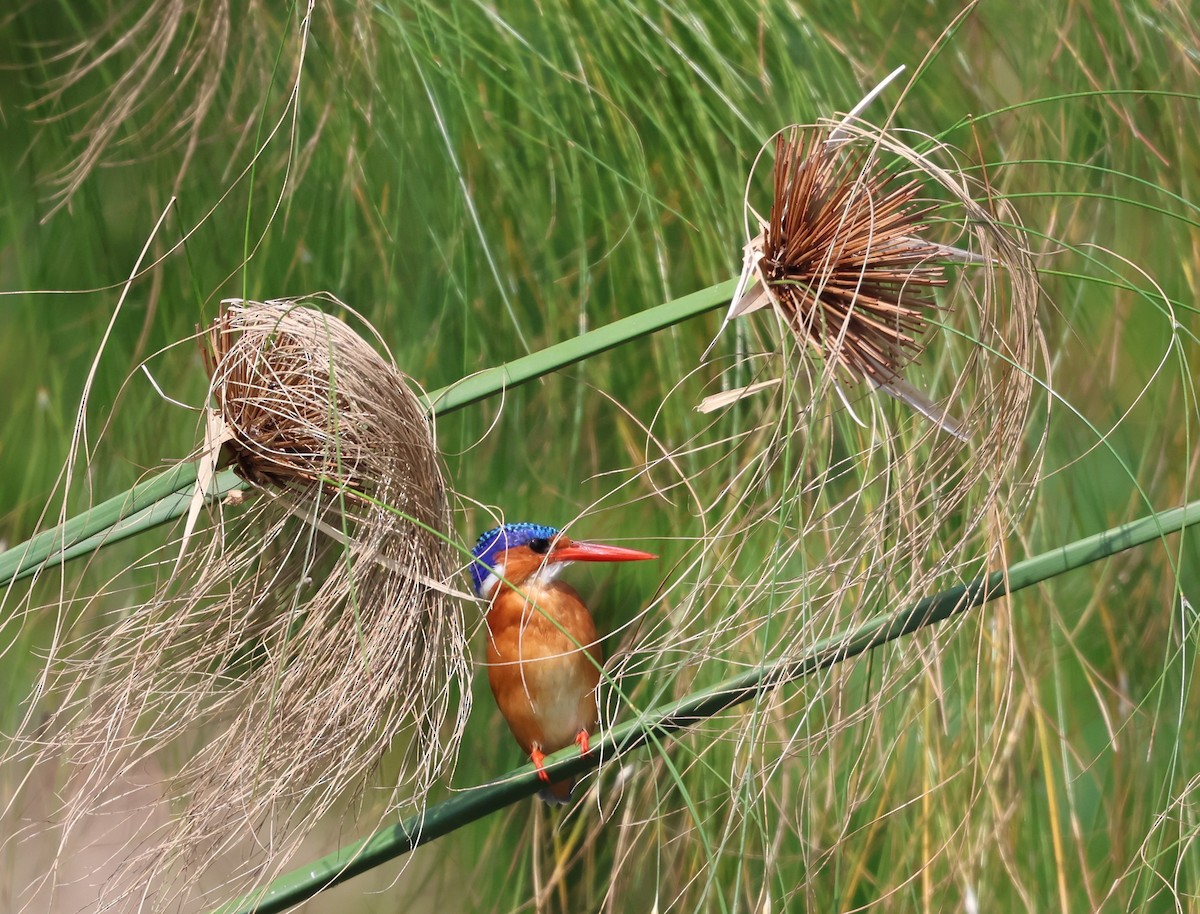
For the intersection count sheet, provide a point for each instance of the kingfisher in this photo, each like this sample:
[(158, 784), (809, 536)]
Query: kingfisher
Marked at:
[(543, 655)]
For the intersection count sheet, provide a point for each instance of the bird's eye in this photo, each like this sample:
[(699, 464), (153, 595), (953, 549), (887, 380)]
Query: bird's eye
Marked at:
[(541, 545)]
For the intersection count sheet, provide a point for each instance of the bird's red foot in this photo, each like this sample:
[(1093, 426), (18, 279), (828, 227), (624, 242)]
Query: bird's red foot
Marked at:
[(538, 757), (581, 740)]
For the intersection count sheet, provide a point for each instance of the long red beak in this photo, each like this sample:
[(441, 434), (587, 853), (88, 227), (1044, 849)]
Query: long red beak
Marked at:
[(596, 552)]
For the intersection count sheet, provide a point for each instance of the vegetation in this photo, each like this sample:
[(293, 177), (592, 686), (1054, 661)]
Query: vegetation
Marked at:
[(483, 182)]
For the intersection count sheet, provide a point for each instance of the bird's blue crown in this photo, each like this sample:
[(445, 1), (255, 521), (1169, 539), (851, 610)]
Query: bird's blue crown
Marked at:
[(496, 540)]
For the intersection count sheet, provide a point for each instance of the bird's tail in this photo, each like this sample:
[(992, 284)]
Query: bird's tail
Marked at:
[(558, 793)]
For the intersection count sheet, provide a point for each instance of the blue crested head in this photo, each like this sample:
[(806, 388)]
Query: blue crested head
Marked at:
[(496, 540)]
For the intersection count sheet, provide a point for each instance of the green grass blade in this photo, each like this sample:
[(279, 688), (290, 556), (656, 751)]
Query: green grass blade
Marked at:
[(165, 497), (64, 542), (522, 782), (495, 380)]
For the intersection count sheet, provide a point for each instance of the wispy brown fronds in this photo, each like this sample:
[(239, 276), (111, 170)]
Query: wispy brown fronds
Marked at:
[(846, 261), (285, 407), (882, 262), (167, 77), (842, 257), (855, 251), (310, 628), (177, 54)]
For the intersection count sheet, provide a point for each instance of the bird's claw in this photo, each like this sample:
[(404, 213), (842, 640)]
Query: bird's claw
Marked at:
[(538, 757), (581, 740)]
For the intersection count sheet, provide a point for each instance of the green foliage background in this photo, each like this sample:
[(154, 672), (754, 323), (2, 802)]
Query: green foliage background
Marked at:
[(484, 181)]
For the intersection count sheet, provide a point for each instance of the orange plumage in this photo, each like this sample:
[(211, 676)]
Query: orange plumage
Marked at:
[(544, 657)]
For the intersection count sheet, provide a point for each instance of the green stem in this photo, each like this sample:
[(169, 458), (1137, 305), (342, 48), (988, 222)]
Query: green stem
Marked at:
[(474, 804), (63, 542), (166, 497), (494, 380)]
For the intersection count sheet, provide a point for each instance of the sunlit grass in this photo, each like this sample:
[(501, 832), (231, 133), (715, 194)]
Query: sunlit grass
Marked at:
[(484, 181)]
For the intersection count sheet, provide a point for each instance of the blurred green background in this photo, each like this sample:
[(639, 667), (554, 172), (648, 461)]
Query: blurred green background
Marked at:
[(482, 181)]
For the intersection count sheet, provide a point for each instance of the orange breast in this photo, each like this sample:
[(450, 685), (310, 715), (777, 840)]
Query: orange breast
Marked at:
[(543, 681)]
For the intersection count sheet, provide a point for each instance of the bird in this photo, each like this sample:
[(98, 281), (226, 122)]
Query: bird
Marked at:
[(543, 655)]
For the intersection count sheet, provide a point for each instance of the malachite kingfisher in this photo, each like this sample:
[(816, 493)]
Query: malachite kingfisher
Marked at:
[(543, 654)]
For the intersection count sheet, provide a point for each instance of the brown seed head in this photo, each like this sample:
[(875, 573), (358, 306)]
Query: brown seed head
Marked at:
[(843, 258), (310, 630), (274, 373)]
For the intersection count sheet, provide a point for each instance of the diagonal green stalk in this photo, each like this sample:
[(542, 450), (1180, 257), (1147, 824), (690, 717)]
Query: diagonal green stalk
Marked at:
[(64, 542), (165, 497), (491, 382), (469, 806)]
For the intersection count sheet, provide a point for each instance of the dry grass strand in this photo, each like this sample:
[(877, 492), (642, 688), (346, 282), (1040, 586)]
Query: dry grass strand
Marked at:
[(304, 635)]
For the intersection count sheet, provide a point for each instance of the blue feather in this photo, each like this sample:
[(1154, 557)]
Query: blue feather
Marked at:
[(496, 540)]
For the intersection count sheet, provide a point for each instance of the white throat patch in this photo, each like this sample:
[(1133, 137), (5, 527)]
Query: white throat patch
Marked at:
[(548, 573), (540, 578), (487, 589)]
